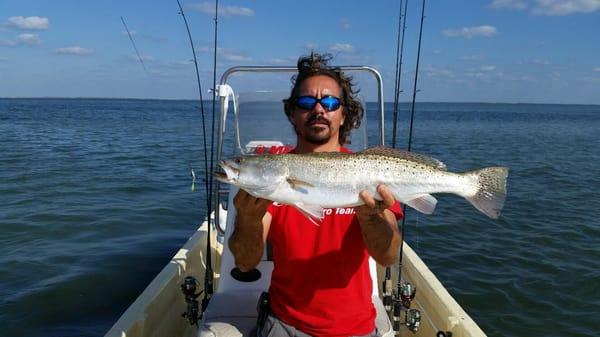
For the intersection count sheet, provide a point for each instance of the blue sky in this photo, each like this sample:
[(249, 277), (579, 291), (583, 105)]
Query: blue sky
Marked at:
[(532, 51)]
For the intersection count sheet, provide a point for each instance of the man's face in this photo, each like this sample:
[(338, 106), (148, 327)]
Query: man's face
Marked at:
[(317, 125)]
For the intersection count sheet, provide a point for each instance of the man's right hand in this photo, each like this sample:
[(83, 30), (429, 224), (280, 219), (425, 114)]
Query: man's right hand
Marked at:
[(250, 232), (250, 210)]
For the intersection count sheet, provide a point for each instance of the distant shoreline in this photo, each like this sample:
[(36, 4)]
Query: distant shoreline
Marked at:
[(209, 100)]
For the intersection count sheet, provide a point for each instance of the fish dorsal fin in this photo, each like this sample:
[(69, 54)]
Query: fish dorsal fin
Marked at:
[(403, 154)]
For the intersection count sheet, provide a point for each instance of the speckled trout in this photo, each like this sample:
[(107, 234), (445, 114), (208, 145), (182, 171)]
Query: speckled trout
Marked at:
[(314, 181)]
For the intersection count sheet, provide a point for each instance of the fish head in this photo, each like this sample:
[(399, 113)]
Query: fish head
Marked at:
[(249, 172), (231, 170)]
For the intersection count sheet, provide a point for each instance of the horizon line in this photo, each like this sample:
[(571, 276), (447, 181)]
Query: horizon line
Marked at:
[(210, 100)]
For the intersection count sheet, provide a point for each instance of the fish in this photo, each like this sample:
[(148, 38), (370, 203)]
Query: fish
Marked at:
[(313, 182)]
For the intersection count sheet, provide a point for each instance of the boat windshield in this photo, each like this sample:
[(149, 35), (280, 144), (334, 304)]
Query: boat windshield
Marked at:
[(253, 121), (256, 117)]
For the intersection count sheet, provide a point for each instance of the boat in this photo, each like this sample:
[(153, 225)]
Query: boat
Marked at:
[(163, 310)]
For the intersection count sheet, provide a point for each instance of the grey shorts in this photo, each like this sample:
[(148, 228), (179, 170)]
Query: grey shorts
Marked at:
[(273, 327)]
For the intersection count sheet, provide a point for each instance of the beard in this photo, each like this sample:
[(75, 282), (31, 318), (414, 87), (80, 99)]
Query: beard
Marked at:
[(317, 130), (318, 135)]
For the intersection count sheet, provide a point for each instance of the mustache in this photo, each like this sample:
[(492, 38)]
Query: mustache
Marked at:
[(317, 119)]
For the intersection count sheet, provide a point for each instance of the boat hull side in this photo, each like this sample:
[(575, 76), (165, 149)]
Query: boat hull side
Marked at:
[(157, 311)]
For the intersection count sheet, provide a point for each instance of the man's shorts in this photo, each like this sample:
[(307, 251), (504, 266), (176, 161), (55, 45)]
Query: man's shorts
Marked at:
[(273, 327)]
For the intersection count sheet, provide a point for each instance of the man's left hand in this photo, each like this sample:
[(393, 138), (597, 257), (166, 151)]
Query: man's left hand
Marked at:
[(378, 225), (374, 207)]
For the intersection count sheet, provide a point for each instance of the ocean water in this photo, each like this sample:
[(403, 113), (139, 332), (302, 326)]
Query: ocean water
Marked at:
[(95, 199)]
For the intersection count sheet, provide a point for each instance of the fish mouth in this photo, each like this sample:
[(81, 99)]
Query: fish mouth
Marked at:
[(230, 174), (221, 176)]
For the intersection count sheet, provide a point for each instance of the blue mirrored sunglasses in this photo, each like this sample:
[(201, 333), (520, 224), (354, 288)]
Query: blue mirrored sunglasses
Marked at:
[(329, 103)]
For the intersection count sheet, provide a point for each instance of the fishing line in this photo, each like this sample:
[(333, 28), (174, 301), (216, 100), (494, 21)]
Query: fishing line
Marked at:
[(134, 46), (208, 276), (201, 101), (417, 230)]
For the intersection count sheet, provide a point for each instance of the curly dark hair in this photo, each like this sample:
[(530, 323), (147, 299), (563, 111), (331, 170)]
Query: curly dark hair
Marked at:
[(317, 64)]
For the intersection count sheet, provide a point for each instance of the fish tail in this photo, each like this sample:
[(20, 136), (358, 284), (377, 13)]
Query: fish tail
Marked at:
[(491, 190)]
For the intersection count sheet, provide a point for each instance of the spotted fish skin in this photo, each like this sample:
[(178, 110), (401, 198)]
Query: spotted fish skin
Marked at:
[(314, 181)]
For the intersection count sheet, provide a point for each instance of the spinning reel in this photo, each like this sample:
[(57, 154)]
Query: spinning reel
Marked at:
[(188, 288)]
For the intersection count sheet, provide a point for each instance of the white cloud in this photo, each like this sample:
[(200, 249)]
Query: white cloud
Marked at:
[(236, 57), (342, 47), (469, 32), (226, 54), (509, 4), (4, 42), (74, 51), (311, 46), (431, 71), (597, 69), (591, 79), (184, 62), (565, 7), (225, 11), (477, 74), (510, 77), (145, 58), (278, 61), (29, 39), (487, 68), (471, 57), (140, 36), (345, 24), (30, 22)]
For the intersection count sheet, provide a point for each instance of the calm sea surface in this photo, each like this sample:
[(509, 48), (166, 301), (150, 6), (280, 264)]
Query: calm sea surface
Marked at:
[(95, 199)]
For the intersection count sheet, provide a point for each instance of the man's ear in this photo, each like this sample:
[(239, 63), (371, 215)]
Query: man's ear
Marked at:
[(289, 111)]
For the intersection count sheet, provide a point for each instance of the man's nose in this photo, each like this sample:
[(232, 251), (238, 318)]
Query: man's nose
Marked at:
[(318, 109)]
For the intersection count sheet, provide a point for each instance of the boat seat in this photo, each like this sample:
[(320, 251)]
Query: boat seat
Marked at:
[(234, 314), (230, 313)]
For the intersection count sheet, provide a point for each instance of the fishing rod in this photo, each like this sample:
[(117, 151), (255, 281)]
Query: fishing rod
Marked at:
[(134, 46), (405, 292), (212, 138), (208, 276), (400, 49), (387, 283), (412, 110)]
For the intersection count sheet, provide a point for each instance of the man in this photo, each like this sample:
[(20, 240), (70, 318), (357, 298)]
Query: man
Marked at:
[(321, 285)]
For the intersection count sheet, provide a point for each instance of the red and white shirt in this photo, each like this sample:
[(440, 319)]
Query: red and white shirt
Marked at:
[(321, 282)]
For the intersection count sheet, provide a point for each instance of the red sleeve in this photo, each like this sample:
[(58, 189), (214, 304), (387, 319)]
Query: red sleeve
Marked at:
[(271, 209), (397, 210)]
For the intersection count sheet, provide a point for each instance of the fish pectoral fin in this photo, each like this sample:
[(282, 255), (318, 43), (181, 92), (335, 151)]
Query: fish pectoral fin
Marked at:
[(298, 184), (424, 203), (312, 212), (258, 191)]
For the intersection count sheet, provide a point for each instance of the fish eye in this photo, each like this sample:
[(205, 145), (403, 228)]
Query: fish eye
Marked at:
[(238, 160)]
